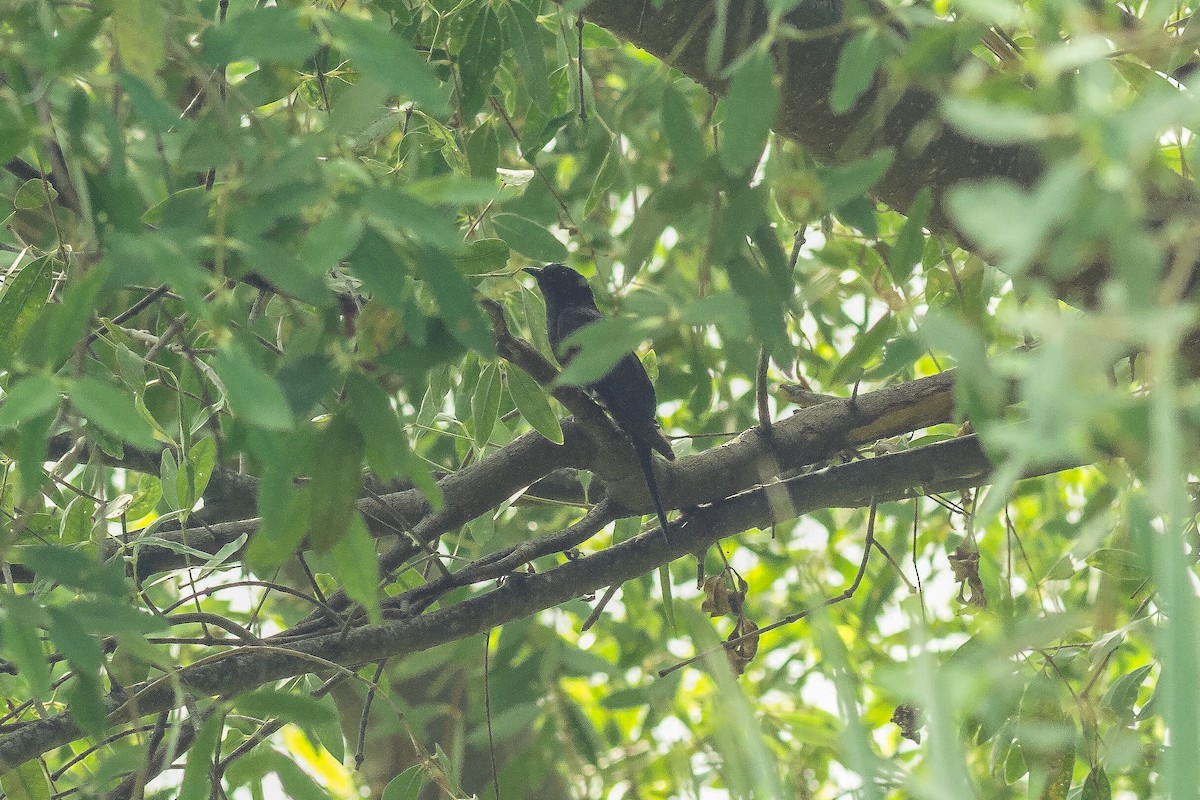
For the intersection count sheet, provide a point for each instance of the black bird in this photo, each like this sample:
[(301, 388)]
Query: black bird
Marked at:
[(625, 390)]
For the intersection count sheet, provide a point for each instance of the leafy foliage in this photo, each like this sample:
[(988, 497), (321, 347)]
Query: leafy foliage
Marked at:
[(263, 417)]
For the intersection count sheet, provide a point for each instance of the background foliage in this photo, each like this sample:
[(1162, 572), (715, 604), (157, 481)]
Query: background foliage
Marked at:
[(246, 250)]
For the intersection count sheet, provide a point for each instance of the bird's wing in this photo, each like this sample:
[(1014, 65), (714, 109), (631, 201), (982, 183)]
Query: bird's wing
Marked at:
[(567, 322), (628, 394), (662, 444)]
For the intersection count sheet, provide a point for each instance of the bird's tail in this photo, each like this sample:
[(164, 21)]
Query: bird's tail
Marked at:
[(646, 461)]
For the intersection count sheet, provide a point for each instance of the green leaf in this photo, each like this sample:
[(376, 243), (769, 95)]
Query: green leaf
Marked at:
[(844, 183), (1123, 693), (898, 354), (389, 60), (131, 368), (855, 70), (1121, 564), (139, 27), (30, 782), (14, 132), (282, 503), (630, 697), (676, 198), (398, 215), (268, 35), (168, 478), (726, 310), (74, 642), (1005, 13), (524, 38), (58, 328), (21, 645), (1096, 786), (356, 566), (32, 194), (381, 268), (529, 238), (104, 616), (978, 391), (195, 471), (27, 292), (485, 403), (860, 214), (668, 604), (453, 190), (298, 708), (76, 524), (992, 123), (993, 213), (749, 113), (387, 449), (867, 345), (302, 280), (482, 256), (29, 398), (335, 483), (679, 125), (405, 786), (145, 498), (483, 152), (30, 452), (85, 700), (1002, 218), (332, 239), (253, 395), (197, 773), (85, 656), (75, 569), (910, 244), (533, 404), (297, 784), (148, 106), (478, 60), (456, 300), (328, 734), (601, 345), (768, 323), (606, 176), (110, 409), (540, 128)]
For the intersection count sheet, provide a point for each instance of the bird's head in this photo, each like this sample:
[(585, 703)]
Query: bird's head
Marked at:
[(560, 283)]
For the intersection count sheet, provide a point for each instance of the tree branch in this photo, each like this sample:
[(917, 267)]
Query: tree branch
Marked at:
[(939, 159), (956, 463), (807, 437)]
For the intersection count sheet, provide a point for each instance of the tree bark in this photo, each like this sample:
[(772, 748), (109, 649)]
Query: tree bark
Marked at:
[(929, 153)]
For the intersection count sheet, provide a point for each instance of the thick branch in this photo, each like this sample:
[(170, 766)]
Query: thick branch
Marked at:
[(952, 464), (807, 437), (805, 116), (928, 153)]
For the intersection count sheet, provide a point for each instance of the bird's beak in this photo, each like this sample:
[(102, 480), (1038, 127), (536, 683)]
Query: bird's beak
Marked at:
[(534, 271)]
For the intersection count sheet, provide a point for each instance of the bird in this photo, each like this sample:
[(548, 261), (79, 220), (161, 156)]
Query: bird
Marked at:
[(625, 390)]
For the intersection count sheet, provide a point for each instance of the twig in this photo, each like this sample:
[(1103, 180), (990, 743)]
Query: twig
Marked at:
[(130, 312), (900, 572), (360, 750), (505, 561), (583, 120), (599, 609), (487, 710), (760, 392), (209, 618)]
